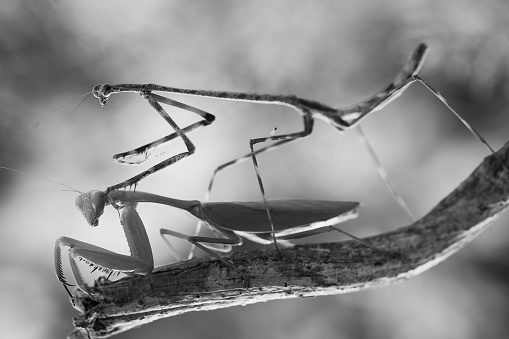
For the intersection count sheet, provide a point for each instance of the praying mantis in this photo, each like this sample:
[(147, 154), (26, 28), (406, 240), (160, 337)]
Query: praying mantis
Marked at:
[(230, 221), (341, 119)]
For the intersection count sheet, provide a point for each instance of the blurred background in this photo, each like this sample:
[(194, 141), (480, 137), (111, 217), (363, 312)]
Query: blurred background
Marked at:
[(335, 52)]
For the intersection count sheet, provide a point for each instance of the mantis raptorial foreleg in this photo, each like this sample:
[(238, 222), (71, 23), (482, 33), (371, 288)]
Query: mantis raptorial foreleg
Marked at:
[(140, 261), (153, 99)]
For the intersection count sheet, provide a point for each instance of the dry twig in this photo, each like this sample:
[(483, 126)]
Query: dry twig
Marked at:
[(303, 271)]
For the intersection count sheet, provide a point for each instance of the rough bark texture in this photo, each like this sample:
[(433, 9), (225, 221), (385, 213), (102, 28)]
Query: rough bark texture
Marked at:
[(303, 271)]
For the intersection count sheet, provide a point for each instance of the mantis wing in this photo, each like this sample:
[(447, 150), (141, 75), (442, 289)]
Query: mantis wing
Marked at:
[(286, 214)]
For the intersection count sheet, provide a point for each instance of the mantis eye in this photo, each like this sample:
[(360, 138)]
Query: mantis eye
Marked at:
[(91, 205), (96, 90)]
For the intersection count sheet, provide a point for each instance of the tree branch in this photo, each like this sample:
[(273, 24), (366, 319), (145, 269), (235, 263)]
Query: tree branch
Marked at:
[(302, 271)]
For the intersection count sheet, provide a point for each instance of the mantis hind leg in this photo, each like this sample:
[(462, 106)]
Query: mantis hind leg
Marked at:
[(383, 174), (391, 95), (325, 229), (408, 75), (354, 114)]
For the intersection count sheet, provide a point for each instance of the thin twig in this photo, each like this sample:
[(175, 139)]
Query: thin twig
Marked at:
[(303, 271)]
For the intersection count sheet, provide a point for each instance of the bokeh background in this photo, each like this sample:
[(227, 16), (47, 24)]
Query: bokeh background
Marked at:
[(337, 52)]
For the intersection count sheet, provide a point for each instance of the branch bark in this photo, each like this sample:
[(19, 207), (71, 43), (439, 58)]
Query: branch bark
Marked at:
[(302, 271)]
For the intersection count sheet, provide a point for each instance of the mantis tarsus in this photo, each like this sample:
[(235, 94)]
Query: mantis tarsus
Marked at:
[(229, 220)]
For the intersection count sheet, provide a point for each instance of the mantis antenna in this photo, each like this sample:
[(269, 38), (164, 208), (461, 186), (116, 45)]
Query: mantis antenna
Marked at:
[(84, 96), (41, 177)]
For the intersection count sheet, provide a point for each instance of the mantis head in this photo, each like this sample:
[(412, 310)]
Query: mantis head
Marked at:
[(91, 204), (102, 92)]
